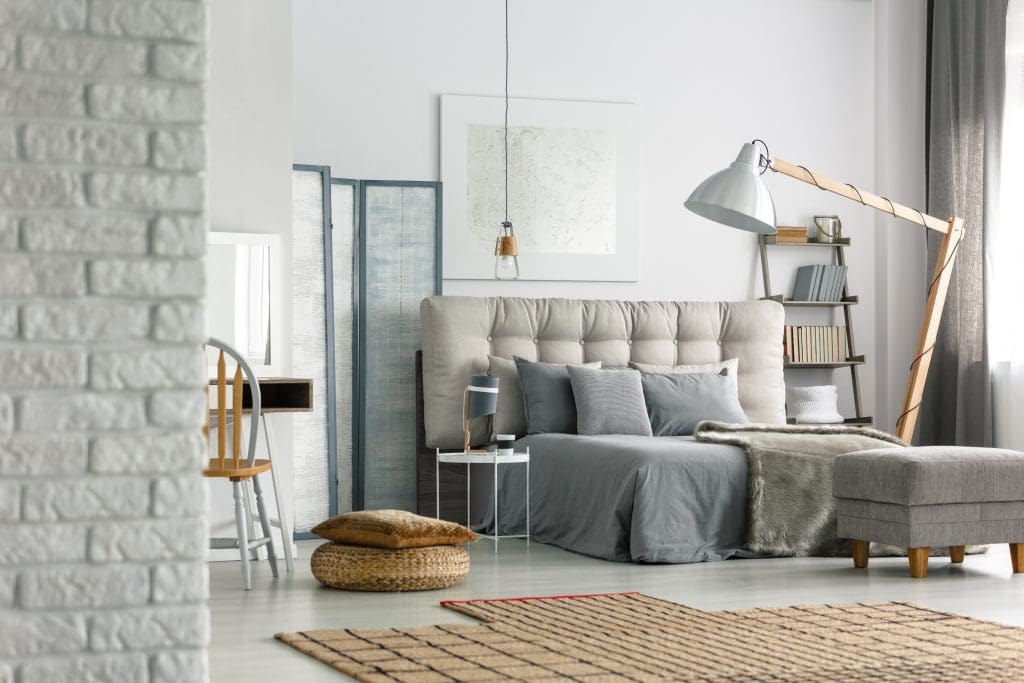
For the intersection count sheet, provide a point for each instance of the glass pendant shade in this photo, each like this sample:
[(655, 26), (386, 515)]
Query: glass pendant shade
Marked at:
[(506, 254), (736, 196)]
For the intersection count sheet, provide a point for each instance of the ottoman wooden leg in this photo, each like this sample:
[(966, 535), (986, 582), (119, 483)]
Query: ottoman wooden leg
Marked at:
[(861, 551), (918, 562), (956, 553), (1017, 557)]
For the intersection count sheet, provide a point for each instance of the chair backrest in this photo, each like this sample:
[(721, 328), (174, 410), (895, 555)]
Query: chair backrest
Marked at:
[(242, 369)]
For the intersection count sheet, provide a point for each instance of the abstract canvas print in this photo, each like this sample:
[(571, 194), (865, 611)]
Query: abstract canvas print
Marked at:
[(571, 187)]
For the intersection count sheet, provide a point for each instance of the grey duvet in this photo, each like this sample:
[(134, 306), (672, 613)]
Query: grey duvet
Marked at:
[(628, 498)]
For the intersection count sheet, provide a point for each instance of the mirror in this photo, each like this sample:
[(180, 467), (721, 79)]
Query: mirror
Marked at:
[(239, 294)]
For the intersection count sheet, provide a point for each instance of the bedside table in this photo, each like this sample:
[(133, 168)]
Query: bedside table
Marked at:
[(484, 458)]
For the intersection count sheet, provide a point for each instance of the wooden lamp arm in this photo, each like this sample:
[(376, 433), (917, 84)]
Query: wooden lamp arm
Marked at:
[(953, 229), (858, 195)]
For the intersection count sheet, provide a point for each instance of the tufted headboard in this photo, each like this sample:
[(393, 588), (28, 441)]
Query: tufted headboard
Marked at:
[(459, 332)]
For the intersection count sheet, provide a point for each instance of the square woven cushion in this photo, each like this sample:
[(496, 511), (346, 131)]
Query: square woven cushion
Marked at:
[(391, 529), (609, 401)]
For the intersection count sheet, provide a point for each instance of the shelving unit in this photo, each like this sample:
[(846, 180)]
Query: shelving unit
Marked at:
[(853, 361)]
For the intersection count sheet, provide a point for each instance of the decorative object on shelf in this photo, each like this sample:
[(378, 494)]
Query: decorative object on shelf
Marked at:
[(478, 400), (828, 229), (791, 234), (813, 405), (738, 198)]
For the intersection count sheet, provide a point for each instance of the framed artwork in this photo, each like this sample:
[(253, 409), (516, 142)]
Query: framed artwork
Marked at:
[(572, 187)]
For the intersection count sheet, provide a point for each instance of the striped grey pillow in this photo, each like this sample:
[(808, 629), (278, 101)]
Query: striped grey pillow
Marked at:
[(609, 401)]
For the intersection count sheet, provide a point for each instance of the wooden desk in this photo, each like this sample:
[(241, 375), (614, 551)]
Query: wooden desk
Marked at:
[(277, 395)]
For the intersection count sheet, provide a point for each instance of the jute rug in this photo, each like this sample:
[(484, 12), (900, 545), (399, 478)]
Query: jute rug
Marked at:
[(633, 637)]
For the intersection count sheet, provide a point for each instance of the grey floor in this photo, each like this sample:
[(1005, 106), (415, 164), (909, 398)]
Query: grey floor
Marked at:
[(243, 648)]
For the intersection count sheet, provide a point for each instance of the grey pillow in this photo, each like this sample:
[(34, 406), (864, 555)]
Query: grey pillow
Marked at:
[(609, 401), (548, 403), (676, 403)]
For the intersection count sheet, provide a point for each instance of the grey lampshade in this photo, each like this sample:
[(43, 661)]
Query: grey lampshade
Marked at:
[(483, 395), (736, 196)]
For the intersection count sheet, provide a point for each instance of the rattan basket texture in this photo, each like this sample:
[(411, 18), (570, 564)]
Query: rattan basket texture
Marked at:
[(359, 568)]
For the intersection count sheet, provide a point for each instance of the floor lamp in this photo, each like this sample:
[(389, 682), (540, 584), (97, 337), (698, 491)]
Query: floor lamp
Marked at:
[(737, 197)]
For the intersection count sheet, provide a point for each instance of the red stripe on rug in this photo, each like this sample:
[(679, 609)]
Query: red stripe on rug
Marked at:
[(536, 597)]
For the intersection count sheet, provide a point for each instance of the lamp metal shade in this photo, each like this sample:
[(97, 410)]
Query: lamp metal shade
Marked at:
[(736, 196), (483, 395)]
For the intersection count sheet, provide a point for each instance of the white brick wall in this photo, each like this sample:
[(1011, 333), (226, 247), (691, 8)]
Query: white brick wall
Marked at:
[(102, 234)]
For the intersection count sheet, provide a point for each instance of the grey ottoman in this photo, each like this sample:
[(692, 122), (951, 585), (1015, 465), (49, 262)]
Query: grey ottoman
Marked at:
[(936, 496)]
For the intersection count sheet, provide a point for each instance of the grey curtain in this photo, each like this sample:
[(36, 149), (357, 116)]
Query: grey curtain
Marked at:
[(965, 112)]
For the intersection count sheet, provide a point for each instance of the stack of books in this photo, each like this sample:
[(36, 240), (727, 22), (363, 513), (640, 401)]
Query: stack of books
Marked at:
[(815, 343), (790, 234), (819, 283)]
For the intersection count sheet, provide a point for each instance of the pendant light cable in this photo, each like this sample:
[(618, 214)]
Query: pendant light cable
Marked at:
[(506, 111)]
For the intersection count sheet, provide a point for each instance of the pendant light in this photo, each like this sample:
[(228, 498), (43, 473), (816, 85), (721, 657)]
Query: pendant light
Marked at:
[(506, 250)]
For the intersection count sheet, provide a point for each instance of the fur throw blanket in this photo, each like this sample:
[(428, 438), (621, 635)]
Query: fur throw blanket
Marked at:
[(790, 508)]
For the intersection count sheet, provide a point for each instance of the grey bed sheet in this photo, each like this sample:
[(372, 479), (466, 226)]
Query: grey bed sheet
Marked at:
[(628, 498)]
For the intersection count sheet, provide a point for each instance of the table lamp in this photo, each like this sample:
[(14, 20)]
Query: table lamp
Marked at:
[(479, 399), (737, 197)]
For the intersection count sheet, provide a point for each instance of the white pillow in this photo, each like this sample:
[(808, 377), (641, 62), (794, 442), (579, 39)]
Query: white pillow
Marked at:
[(732, 365), (813, 405)]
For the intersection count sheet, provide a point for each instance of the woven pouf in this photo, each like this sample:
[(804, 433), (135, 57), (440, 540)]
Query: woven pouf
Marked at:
[(360, 568)]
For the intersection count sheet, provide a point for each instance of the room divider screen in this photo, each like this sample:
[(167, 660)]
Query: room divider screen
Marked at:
[(399, 243), (314, 442), (365, 252)]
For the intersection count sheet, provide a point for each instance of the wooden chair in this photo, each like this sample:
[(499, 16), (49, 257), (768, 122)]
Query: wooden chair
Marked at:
[(233, 466)]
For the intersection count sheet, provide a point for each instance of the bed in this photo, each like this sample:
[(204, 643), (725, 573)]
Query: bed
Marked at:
[(622, 498)]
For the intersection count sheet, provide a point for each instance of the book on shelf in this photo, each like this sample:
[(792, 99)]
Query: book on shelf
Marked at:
[(814, 343), (819, 283), (802, 288)]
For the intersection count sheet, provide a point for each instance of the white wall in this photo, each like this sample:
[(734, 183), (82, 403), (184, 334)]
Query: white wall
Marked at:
[(250, 158), (900, 251), (103, 229), (705, 77)]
